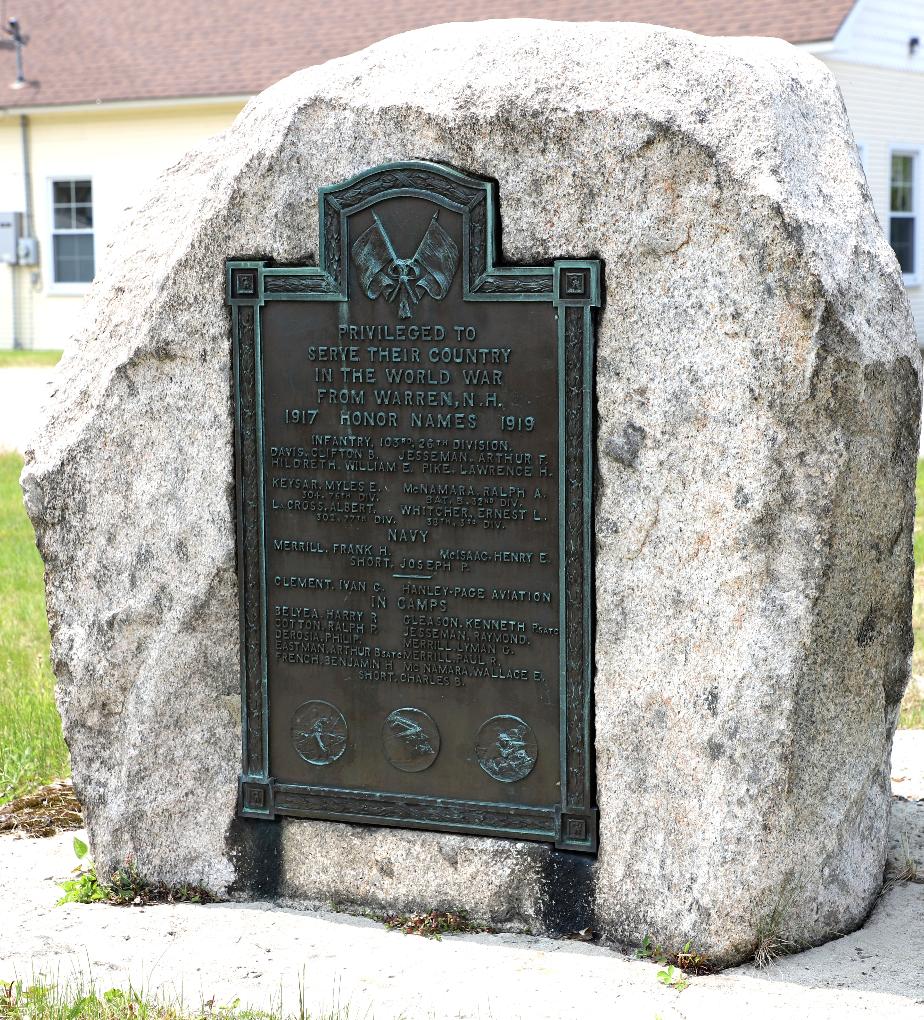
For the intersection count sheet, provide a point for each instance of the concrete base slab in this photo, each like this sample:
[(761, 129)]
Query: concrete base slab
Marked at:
[(257, 952)]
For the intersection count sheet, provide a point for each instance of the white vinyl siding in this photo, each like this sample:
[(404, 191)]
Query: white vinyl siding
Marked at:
[(886, 110), (878, 32)]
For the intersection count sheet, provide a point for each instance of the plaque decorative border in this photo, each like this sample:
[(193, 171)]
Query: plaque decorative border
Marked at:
[(573, 287)]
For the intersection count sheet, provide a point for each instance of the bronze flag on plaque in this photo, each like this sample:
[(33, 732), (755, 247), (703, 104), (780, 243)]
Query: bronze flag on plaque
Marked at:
[(414, 492)]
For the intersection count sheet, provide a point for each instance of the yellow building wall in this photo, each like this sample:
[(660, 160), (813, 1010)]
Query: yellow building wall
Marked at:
[(122, 149)]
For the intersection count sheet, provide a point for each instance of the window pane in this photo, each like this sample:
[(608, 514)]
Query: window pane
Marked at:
[(73, 258), (902, 190), (901, 198), (73, 210), (901, 237), (902, 169)]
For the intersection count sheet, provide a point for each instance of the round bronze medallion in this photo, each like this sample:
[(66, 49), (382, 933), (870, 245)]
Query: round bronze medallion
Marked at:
[(410, 739), (506, 748), (319, 732)]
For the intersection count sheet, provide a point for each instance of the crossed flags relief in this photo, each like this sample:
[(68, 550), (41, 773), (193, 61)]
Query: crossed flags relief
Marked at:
[(429, 271)]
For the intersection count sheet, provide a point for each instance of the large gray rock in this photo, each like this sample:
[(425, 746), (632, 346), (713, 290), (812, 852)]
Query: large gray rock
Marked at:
[(758, 398)]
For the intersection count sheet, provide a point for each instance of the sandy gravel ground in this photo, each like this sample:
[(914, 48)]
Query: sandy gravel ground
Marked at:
[(258, 952), (23, 391)]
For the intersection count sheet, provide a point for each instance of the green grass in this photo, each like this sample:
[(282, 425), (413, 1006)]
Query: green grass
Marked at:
[(27, 359), (43, 999), (32, 749)]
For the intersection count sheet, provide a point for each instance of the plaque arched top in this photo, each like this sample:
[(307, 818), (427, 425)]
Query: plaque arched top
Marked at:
[(474, 198)]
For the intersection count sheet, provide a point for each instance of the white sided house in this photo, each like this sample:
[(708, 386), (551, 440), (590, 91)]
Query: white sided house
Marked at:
[(877, 57), (98, 98)]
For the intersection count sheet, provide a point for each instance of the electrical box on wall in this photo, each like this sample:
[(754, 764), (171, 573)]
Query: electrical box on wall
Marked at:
[(10, 232), (27, 251)]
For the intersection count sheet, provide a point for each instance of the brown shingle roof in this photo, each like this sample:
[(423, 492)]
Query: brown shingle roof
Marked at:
[(105, 50)]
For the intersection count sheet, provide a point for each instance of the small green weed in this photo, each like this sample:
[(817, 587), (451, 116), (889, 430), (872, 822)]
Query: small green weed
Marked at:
[(693, 962), (674, 978), (648, 951), (688, 959), (84, 887), (433, 925), (675, 967), (126, 887)]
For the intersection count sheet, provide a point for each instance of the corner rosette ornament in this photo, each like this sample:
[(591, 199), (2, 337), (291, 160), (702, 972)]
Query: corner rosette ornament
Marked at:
[(429, 271)]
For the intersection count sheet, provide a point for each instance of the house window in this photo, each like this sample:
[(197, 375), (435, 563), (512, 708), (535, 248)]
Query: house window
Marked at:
[(903, 201), (72, 232)]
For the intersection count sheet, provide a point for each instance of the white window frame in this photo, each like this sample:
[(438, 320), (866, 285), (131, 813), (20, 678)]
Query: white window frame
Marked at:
[(52, 286), (914, 151)]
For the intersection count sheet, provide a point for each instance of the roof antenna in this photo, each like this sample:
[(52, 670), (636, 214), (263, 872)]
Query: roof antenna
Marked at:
[(13, 31)]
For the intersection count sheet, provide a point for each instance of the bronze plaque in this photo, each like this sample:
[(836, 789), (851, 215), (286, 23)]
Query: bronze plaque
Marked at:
[(414, 476)]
